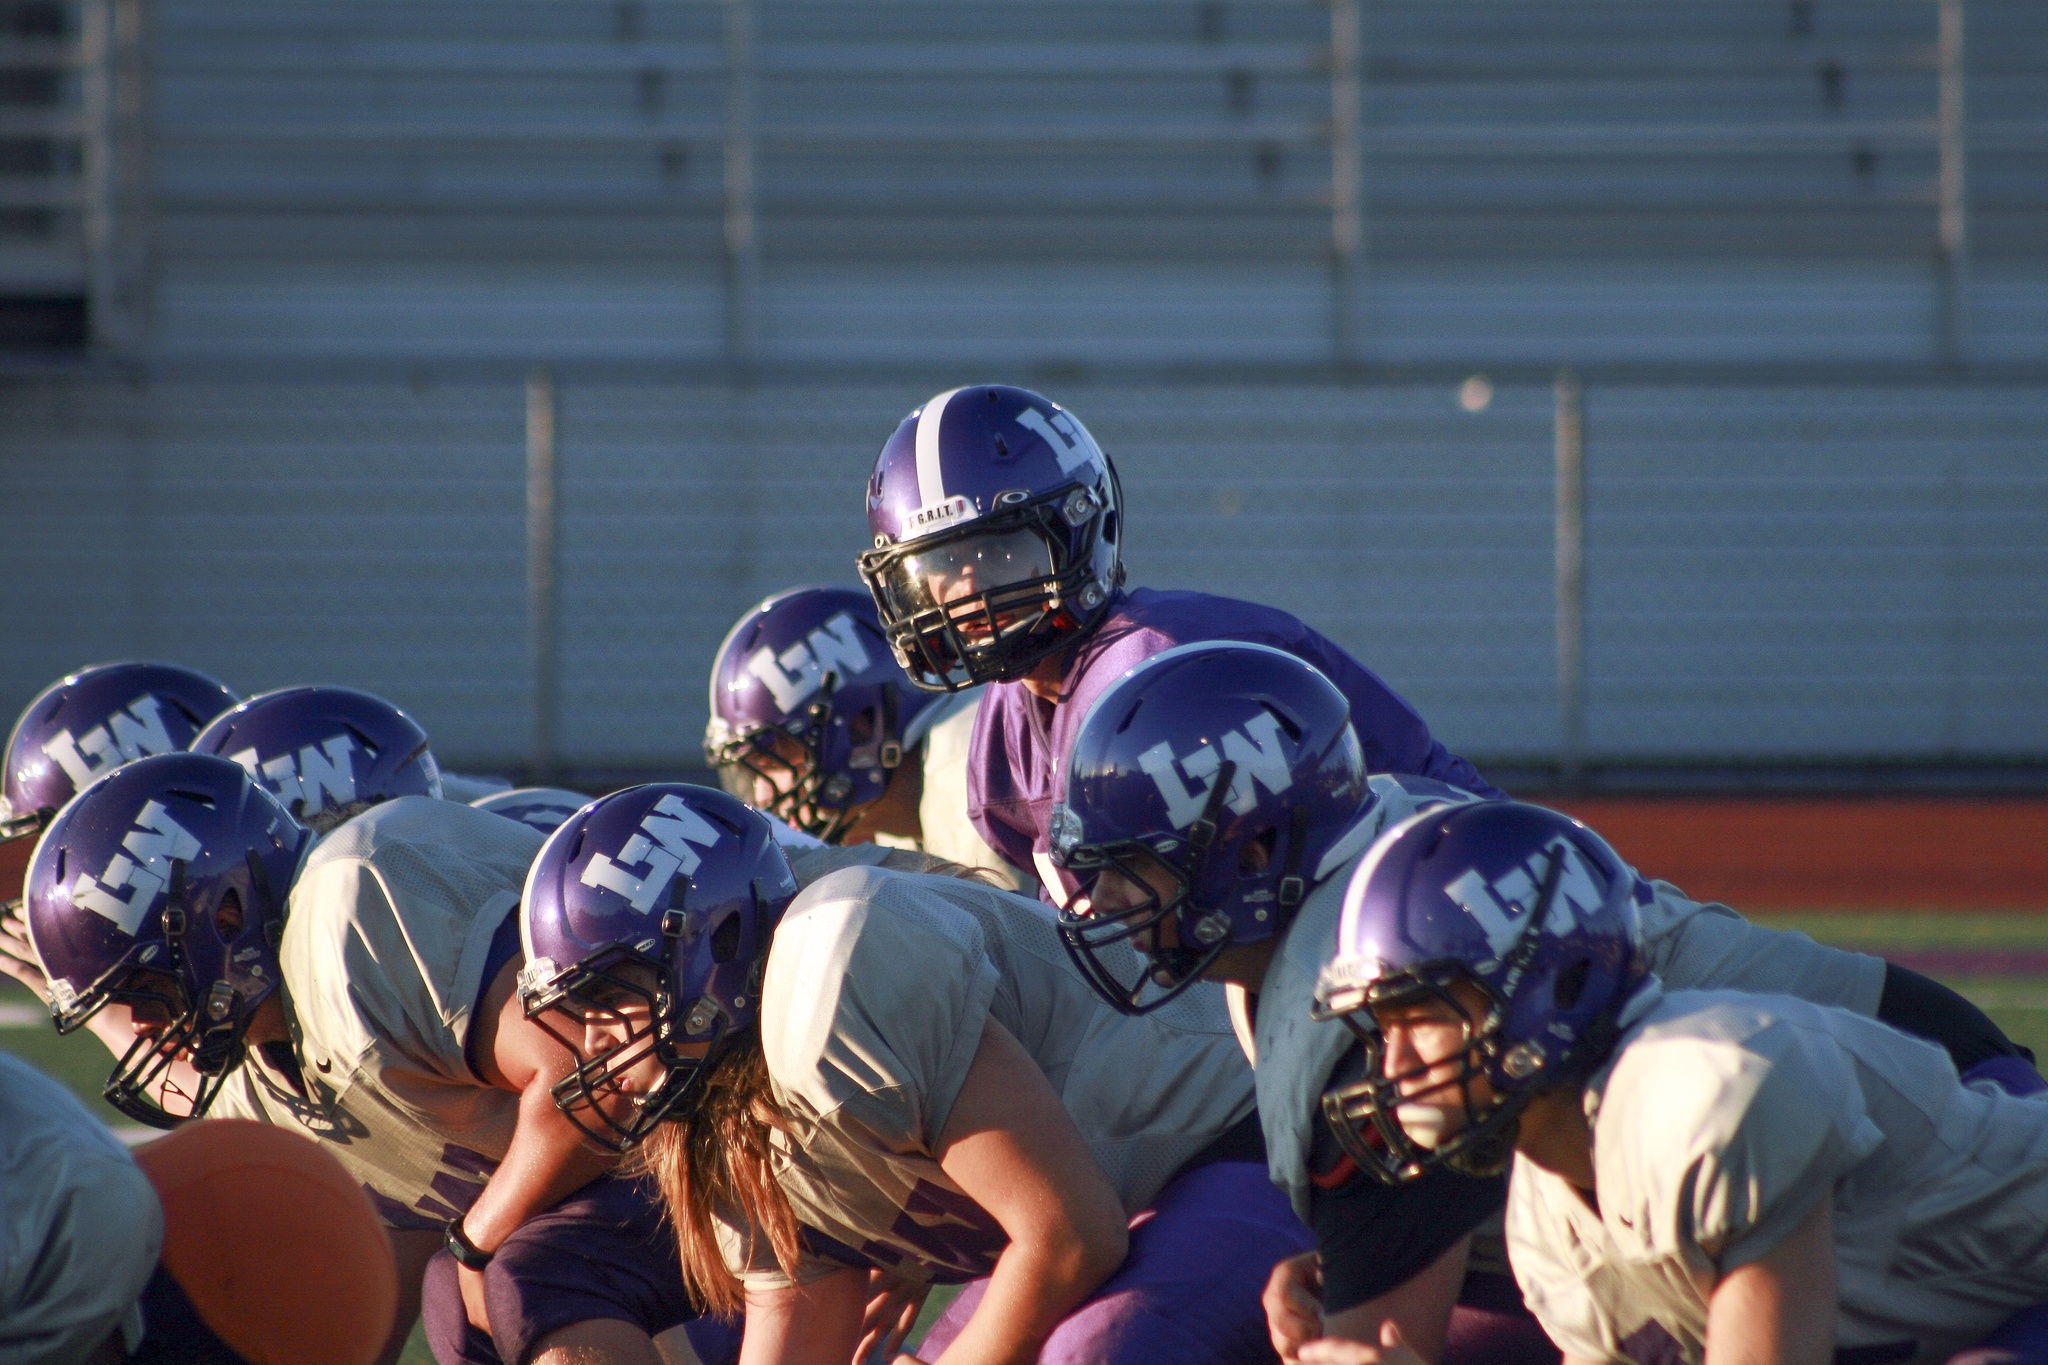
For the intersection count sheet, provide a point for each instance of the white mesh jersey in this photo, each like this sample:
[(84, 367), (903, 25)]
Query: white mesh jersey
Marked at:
[(386, 933), (1721, 1122), (80, 1227), (878, 984), (1689, 944)]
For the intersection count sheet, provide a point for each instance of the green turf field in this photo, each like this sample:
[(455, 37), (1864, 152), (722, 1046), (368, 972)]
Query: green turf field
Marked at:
[(2018, 1003)]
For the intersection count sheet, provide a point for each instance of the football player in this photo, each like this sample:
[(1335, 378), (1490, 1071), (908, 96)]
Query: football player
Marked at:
[(358, 988), (1212, 809), (229, 1243), (814, 722), (83, 726), (326, 753), (997, 526), (542, 808), (1698, 1174), (897, 1079)]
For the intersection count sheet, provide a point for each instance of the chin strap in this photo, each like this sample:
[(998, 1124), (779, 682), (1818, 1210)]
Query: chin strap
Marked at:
[(1292, 888)]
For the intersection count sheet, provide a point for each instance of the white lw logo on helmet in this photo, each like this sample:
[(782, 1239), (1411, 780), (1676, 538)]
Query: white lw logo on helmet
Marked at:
[(1255, 747), (667, 843), (143, 869), (1502, 905), (317, 776), (795, 675), (1071, 444), (136, 731)]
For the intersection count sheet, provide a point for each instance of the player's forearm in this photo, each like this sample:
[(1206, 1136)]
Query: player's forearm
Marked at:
[(1037, 1282), (549, 1159), (1421, 1308)]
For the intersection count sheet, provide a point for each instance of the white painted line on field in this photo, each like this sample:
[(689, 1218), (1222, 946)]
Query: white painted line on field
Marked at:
[(24, 1016), (132, 1134)]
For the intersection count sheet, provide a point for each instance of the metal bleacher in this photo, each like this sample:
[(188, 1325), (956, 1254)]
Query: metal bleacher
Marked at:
[(1237, 183), (1796, 250)]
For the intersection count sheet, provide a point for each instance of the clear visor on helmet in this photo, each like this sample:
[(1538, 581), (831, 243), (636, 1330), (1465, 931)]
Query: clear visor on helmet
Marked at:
[(986, 585)]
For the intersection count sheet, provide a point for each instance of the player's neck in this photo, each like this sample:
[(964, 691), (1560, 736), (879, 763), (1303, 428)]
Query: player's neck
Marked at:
[(895, 811), (1047, 679), (1244, 964), (1554, 1135)]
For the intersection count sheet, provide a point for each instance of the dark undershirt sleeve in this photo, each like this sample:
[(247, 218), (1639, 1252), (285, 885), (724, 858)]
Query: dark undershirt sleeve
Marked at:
[(1376, 1237), (1927, 1009)]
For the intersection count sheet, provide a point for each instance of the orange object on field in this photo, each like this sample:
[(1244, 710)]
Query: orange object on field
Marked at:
[(1833, 853), (274, 1244)]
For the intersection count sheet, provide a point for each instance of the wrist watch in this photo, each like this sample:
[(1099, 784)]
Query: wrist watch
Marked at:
[(467, 1254)]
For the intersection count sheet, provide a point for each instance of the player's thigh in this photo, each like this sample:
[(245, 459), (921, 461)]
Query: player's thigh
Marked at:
[(1190, 1291)]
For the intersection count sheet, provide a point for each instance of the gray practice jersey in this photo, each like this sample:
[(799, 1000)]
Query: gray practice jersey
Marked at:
[(878, 985), (1689, 944), (1722, 1121), (386, 934), (80, 1226), (944, 728)]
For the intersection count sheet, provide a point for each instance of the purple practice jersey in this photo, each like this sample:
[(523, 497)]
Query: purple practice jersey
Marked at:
[(1017, 737)]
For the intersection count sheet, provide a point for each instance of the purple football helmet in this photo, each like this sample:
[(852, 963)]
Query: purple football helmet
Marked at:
[(1232, 766), (1529, 907), (326, 752), (82, 727), (809, 713), (657, 900), (544, 808), (996, 520), (162, 887)]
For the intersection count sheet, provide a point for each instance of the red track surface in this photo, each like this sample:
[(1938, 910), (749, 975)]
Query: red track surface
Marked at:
[(1874, 853)]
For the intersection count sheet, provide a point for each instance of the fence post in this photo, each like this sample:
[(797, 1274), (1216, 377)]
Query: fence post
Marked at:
[(541, 521), (742, 255), (1347, 179), (1954, 187), (1571, 577)]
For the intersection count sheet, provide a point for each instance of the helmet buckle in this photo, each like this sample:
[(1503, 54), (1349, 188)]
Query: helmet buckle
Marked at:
[(1212, 928), (892, 753), (219, 1000), (702, 1015), (1522, 1061), (673, 922), (1079, 506), (1291, 892), (1091, 597)]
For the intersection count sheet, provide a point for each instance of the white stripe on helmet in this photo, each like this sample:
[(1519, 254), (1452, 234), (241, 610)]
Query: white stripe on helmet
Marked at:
[(931, 474)]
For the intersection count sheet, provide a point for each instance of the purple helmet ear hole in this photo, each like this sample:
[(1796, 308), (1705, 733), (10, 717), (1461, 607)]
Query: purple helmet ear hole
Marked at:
[(725, 939), (1571, 984), (227, 916)]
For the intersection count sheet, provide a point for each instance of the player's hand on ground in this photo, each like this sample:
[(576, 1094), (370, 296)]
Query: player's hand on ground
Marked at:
[(892, 1311), (1336, 1351), (1294, 1303), (17, 957)]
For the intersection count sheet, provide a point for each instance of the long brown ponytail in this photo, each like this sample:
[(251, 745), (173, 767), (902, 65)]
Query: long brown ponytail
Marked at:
[(722, 1160)]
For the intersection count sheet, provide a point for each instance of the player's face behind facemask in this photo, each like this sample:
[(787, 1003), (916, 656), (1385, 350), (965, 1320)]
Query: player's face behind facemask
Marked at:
[(1128, 893), (607, 1015), (1428, 1054)]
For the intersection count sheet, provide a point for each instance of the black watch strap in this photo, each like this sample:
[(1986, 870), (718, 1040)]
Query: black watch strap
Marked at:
[(466, 1253)]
